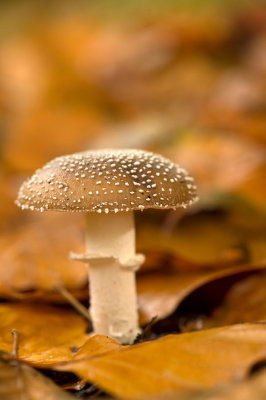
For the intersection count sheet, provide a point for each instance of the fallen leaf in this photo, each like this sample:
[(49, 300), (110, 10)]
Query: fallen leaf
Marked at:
[(42, 296), (23, 73), (35, 138), (251, 125), (253, 189), (159, 260), (188, 240), (206, 238), (46, 334), (36, 254), (174, 363), (160, 293), (19, 381), (244, 302), (9, 213), (253, 388), (212, 159), (96, 346)]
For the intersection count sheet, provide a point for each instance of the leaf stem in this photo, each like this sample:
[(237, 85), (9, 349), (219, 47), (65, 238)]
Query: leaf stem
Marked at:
[(73, 301), (15, 343)]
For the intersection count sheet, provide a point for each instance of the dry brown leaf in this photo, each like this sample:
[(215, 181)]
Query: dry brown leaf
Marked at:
[(36, 255), (159, 294), (174, 363), (254, 389), (189, 240), (244, 302), (42, 296), (205, 239), (100, 53), (192, 31), (37, 138), (245, 124), (159, 260), (46, 334), (9, 213), (24, 71), (19, 381), (222, 163), (253, 188)]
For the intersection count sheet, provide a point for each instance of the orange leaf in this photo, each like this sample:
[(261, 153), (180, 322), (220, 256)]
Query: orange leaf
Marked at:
[(174, 363), (46, 334), (36, 256)]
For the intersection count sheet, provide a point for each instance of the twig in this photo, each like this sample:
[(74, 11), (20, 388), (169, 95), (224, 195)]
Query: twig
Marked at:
[(146, 332), (15, 343), (73, 301)]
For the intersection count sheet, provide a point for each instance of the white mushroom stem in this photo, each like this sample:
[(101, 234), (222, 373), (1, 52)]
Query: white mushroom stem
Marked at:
[(110, 251)]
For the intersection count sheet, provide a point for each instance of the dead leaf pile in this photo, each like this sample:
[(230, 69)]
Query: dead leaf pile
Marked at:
[(186, 82)]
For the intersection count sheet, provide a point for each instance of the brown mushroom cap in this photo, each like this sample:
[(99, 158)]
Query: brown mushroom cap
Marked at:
[(108, 180)]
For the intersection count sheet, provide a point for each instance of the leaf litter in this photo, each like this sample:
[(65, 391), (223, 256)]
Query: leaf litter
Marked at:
[(193, 84)]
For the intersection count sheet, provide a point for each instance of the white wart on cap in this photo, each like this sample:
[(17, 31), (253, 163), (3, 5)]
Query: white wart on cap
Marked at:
[(108, 181)]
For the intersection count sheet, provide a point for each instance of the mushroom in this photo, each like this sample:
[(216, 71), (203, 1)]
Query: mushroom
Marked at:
[(110, 185)]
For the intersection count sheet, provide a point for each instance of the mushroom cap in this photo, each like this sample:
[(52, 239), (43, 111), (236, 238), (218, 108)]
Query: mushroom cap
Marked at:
[(108, 181)]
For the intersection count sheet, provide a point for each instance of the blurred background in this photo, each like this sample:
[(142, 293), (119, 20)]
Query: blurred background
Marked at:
[(186, 79)]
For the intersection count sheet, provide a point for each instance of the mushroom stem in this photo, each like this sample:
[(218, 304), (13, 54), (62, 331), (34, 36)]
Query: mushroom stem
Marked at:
[(110, 240)]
